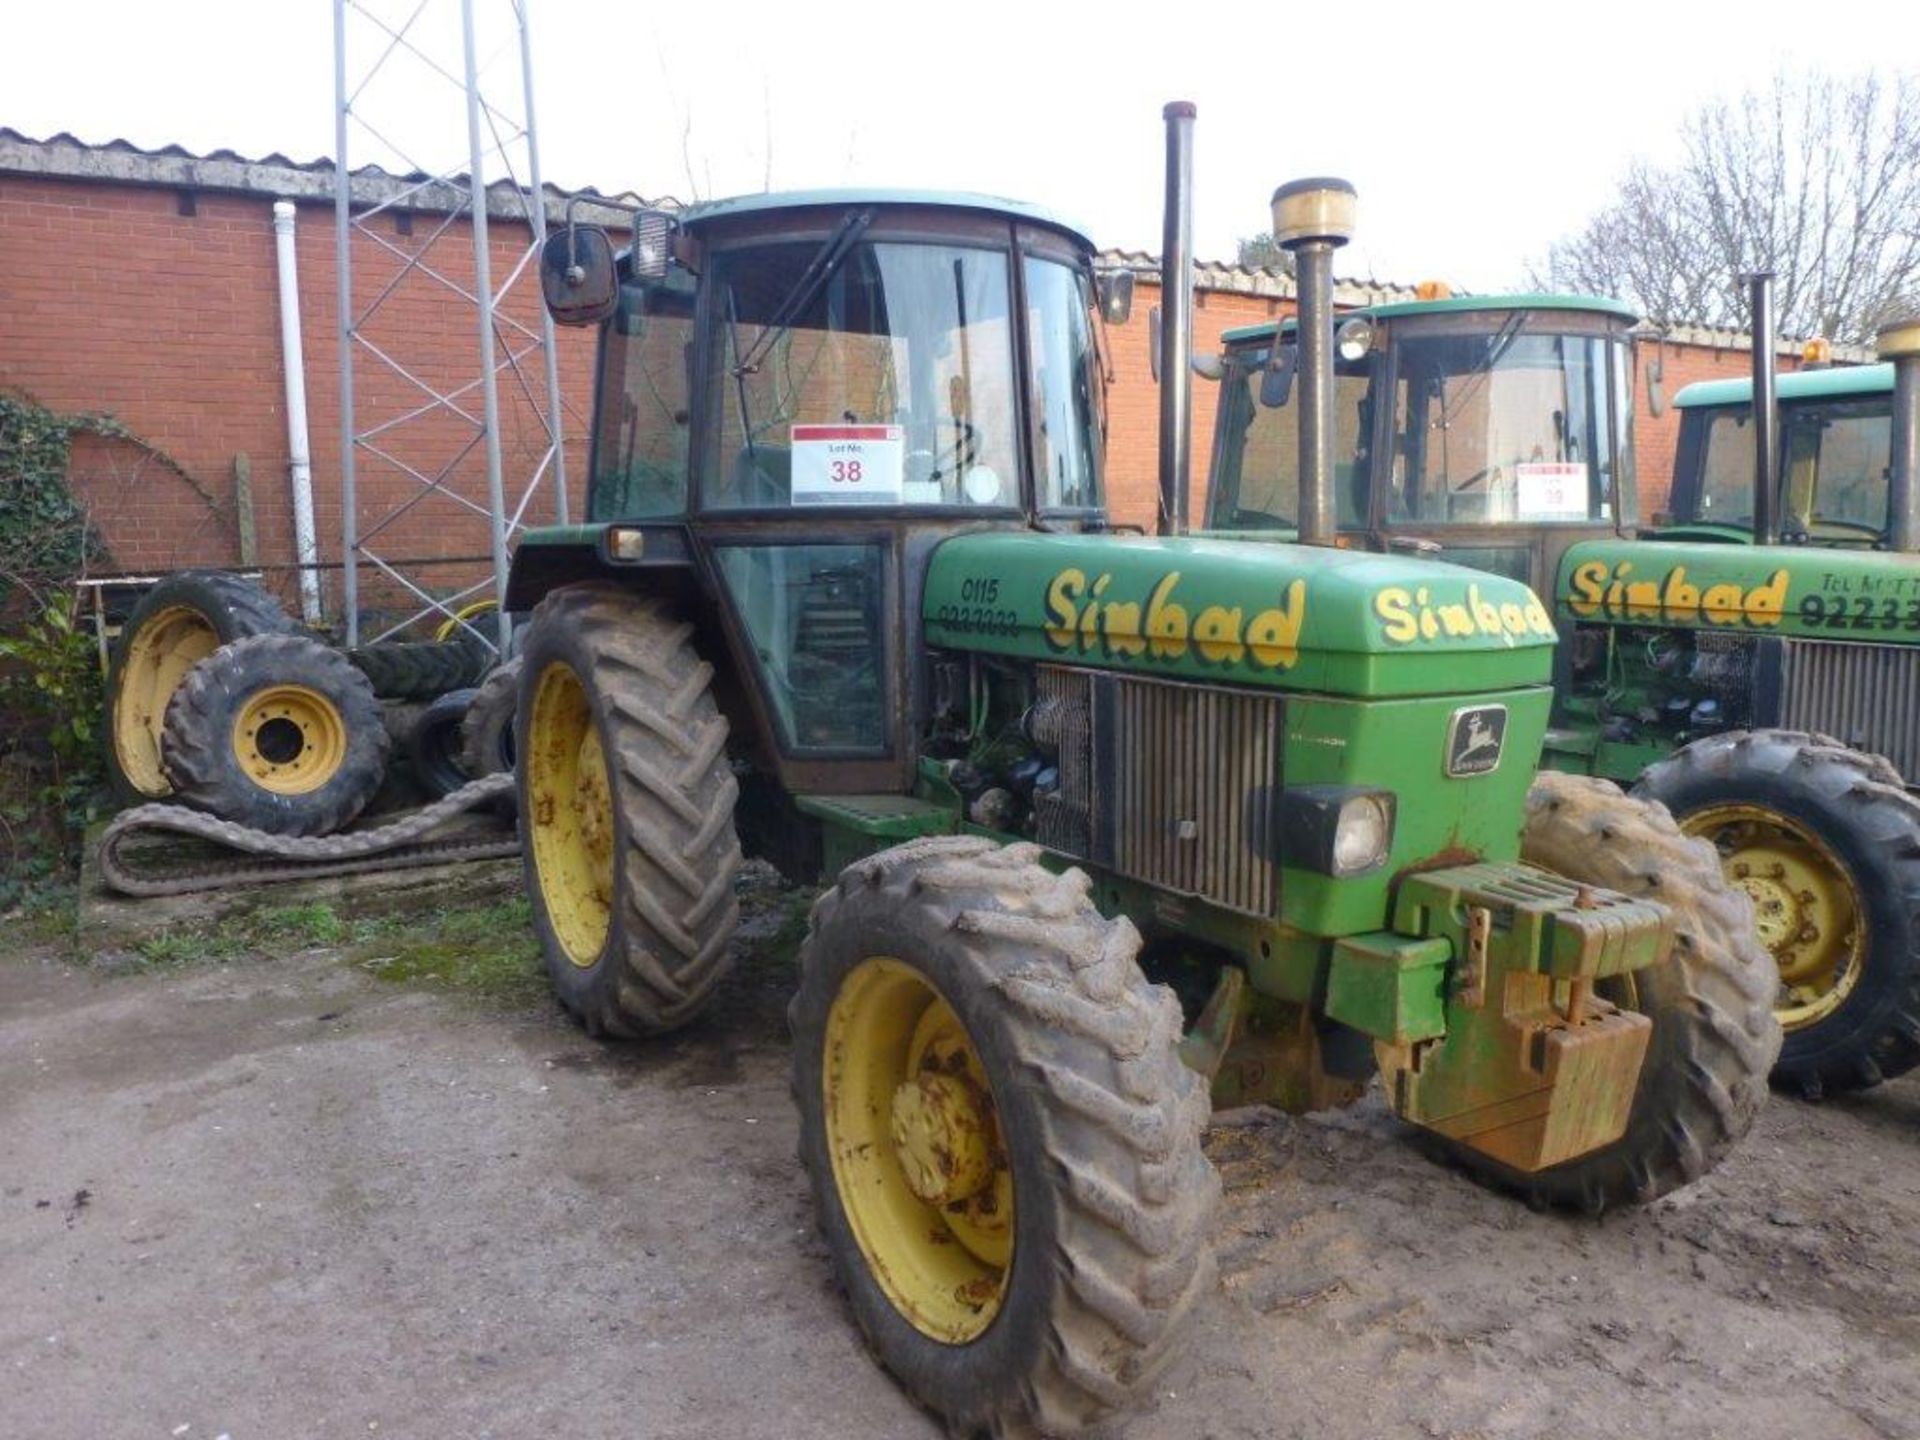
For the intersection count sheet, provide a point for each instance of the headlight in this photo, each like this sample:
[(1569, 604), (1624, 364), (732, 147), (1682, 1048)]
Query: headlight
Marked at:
[(1353, 340), (1338, 830)]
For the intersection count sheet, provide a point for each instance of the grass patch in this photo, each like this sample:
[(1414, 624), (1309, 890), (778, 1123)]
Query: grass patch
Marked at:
[(484, 950), (488, 951)]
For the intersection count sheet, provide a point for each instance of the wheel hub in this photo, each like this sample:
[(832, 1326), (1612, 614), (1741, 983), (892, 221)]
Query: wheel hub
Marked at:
[(940, 1138), (290, 739), (593, 812), (1806, 908)]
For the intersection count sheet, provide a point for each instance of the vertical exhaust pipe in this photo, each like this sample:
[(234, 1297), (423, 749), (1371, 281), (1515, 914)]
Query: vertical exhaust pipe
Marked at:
[(1176, 330), (1900, 343), (1766, 412), (1313, 218)]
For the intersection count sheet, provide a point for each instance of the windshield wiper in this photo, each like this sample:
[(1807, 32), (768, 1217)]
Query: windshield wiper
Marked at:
[(819, 270)]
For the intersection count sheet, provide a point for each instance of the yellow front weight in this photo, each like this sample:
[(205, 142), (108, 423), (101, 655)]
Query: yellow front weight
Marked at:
[(1806, 908), (290, 740), (570, 814), (918, 1157)]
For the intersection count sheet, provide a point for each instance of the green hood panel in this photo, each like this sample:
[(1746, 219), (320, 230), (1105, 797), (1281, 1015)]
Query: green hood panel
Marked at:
[(1290, 617), (1746, 589)]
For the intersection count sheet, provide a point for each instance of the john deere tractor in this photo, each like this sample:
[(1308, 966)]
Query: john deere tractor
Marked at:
[(1114, 827), (1756, 675)]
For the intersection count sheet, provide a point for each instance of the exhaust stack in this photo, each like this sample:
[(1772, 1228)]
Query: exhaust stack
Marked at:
[(1766, 412), (1176, 330), (1899, 342), (1313, 218)]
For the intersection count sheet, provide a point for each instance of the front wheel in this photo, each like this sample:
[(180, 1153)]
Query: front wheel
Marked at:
[(1003, 1143), (1826, 842), (1714, 1038)]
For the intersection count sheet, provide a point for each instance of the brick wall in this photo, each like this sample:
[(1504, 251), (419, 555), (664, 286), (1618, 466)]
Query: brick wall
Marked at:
[(118, 301)]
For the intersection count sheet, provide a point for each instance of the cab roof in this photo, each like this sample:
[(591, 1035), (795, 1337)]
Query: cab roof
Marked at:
[(705, 211), (1452, 305), (1793, 385)]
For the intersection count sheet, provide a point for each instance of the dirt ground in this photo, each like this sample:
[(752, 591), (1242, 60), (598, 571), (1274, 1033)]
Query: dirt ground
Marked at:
[(263, 1192)]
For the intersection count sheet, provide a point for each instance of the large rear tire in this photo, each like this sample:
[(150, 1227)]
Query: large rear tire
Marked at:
[(179, 622), (1714, 1038), (626, 811), (1826, 841), (278, 733), (1003, 1143)]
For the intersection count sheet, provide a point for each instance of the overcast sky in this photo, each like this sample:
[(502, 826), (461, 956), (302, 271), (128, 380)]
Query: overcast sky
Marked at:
[(1475, 133)]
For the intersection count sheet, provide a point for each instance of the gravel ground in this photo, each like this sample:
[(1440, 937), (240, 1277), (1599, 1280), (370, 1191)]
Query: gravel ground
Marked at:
[(271, 1195)]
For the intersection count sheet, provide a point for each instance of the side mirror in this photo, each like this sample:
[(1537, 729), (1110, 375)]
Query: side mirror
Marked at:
[(577, 278), (1276, 381), (1115, 292), (1656, 384)]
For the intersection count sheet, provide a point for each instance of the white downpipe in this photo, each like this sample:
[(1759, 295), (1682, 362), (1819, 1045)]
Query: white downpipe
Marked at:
[(306, 546)]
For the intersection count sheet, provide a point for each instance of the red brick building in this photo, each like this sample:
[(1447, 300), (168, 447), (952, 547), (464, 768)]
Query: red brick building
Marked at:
[(142, 284)]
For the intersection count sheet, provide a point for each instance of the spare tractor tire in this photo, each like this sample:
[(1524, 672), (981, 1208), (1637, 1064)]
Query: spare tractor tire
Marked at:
[(433, 744), (277, 733), (486, 735), (176, 624), (421, 669)]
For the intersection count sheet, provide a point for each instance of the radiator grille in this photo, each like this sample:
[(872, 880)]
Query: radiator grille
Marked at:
[(1175, 785), (1865, 695)]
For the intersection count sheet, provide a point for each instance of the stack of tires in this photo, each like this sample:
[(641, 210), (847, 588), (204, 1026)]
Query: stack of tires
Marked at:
[(218, 700)]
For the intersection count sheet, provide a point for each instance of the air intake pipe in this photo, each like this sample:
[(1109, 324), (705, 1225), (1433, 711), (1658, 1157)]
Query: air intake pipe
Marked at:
[(1176, 330), (1766, 413), (1312, 219)]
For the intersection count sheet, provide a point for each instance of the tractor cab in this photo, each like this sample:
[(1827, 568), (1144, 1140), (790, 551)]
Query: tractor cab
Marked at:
[(798, 397), (1834, 464), (1488, 431)]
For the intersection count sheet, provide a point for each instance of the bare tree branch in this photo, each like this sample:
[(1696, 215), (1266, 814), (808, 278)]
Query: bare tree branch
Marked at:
[(1816, 178)]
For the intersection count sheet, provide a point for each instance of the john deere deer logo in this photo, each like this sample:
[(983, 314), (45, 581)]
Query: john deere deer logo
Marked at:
[(1474, 738)]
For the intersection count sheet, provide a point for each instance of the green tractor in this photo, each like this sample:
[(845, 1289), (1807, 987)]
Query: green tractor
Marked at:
[(1765, 692), (1115, 827)]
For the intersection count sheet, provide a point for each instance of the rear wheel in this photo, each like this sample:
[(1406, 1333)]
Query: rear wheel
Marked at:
[(1826, 842), (1714, 1038), (626, 804), (177, 623), (1003, 1143)]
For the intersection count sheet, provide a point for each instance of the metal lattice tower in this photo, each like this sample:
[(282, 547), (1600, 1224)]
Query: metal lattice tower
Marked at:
[(417, 430)]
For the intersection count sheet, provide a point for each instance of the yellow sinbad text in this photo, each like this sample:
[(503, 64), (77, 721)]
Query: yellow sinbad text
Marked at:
[(1598, 588), (1081, 616), (1407, 614)]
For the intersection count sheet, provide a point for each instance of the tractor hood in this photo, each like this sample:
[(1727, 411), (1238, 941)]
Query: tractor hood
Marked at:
[(1743, 589), (1289, 617)]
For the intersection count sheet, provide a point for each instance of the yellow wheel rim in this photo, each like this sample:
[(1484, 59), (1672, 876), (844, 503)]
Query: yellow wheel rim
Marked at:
[(571, 811), (917, 1153), (157, 659), (289, 739), (450, 628), (1807, 909)]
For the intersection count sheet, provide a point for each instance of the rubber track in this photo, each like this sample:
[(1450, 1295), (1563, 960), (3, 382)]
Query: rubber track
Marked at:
[(1123, 1128), (271, 857), (1715, 1027)]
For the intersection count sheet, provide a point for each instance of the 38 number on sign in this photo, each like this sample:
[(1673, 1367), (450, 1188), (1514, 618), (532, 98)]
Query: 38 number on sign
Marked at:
[(845, 472)]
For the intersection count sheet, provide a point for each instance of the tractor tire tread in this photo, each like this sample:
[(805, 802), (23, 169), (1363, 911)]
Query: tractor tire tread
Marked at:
[(1129, 1248)]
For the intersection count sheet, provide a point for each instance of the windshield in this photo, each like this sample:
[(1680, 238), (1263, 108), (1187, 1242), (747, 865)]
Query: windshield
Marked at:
[(639, 467), (893, 385), (1255, 484), (1067, 388), (1504, 427), (1835, 455)]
